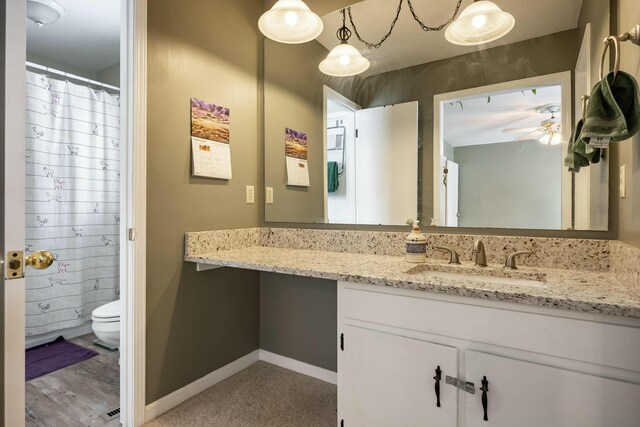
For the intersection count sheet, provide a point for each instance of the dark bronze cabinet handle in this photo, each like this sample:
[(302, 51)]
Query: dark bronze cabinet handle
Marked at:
[(485, 400), (438, 377)]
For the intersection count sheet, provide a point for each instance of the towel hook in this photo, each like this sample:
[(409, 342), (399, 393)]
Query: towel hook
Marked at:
[(584, 99), (616, 45)]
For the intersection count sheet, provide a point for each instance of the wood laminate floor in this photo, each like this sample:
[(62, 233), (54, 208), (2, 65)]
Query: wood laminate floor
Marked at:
[(76, 395)]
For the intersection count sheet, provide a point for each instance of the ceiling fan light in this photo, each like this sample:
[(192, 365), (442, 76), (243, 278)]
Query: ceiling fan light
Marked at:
[(344, 60), (556, 139), (480, 22), (44, 12), (545, 139), (290, 22)]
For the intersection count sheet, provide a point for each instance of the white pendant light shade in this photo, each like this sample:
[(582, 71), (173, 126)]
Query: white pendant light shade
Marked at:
[(44, 12), (344, 60), (291, 22), (481, 22)]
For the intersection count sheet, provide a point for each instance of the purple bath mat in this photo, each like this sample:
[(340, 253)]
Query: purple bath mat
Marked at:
[(46, 358)]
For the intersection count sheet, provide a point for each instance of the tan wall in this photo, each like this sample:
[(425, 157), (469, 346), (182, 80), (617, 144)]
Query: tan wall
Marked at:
[(198, 322), (289, 74), (628, 152)]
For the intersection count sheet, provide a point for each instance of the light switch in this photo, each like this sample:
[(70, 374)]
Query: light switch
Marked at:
[(250, 194), (269, 195), (623, 181)]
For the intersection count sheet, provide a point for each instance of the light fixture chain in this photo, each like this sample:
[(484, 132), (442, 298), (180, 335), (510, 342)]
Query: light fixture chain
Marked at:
[(395, 20), (375, 45), (438, 28)]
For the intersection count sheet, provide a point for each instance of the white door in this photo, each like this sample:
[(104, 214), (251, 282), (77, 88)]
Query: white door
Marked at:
[(527, 394), (14, 208), (388, 380), (452, 187), (387, 164)]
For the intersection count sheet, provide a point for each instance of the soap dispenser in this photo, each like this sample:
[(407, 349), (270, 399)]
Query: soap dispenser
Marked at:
[(416, 244)]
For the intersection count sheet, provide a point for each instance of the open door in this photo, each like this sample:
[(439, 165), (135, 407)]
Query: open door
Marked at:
[(13, 209), (387, 164)]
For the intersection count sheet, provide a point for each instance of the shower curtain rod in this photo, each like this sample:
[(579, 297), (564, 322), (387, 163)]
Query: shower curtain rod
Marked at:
[(71, 76)]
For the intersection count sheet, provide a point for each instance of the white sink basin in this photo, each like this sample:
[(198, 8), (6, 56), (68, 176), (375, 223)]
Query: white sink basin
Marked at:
[(492, 274), (511, 281)]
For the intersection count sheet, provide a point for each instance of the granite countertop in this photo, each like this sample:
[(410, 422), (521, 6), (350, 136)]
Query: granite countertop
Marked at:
[(595, 292)]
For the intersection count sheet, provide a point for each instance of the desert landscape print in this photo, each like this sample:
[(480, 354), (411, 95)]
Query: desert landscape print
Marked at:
[(209, 121), (295, 144)]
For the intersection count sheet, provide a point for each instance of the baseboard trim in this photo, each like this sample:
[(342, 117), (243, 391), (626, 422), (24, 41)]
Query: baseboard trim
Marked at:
[(298, 366), (172, 400)]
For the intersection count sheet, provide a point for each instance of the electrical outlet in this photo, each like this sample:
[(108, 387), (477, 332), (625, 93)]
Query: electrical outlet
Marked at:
[(269, 195), (250, 194), (623, 181)]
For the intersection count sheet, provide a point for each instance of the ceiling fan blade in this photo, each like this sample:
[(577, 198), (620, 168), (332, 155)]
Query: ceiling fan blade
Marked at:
[(529, 129), (531, 135)]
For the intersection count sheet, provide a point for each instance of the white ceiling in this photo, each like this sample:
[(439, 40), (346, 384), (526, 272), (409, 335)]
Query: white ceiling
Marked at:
[(480, 122), (409, 45), (87, 36)]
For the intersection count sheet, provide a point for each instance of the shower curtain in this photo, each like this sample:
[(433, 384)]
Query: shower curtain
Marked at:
[(72, 201)]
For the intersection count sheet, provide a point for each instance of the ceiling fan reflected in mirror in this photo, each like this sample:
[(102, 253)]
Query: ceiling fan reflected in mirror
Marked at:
[(550, 130)]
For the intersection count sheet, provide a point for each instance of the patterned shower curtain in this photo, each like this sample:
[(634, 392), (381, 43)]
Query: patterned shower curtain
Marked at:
[(72, 201)]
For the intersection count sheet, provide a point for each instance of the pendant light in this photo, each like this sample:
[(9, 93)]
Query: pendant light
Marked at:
[(44, 12), (344, 60), (481, 22), (291, 22)]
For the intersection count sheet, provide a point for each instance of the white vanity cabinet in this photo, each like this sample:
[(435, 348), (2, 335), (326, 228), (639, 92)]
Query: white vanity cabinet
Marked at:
[(388, 380), (544, 367)]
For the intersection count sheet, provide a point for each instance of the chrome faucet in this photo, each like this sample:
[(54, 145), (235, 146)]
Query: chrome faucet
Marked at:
[(478, 251), (454, 258), (510, 263)]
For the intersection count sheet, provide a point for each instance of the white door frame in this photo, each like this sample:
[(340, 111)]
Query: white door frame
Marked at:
[(133, 200), (562, 78), (133, 195)]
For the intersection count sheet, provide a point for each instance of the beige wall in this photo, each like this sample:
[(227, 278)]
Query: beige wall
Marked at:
[(198, 322), (628, 152)]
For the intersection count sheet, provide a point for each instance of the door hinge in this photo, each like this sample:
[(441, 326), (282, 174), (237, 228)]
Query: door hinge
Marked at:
[(131, 234), (341, 423), (467, 386), (342, 342), (356, 133)]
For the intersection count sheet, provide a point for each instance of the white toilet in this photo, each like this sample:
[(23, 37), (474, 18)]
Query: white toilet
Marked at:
[(106, 323)]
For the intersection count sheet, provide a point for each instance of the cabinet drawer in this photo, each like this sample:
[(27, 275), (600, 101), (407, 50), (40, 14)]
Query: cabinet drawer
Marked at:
[(581, 340)]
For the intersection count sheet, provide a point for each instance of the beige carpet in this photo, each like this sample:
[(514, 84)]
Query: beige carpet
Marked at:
[(261, 395)]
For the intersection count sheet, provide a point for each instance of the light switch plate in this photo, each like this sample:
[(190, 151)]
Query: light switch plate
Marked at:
[(250, 194), (623, 181), (269, 195)]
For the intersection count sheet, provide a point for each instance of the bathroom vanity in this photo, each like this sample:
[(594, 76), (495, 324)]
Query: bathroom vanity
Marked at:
[(460, 345)]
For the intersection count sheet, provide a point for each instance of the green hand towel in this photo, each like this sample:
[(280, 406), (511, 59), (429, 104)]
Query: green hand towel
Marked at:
[(579, 154), (614, 108), (333, 179)]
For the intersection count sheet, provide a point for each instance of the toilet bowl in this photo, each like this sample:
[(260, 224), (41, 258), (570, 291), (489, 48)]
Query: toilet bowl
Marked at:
[(106, 323)]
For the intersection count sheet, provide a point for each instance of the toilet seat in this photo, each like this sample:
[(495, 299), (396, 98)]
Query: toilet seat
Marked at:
[(107, 313)]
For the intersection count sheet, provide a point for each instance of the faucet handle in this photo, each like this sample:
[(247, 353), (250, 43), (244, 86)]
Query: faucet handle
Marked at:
[(511, 259), (454, 258)]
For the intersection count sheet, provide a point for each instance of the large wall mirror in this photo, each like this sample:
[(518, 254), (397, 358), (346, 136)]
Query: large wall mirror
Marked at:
[(456, 136)]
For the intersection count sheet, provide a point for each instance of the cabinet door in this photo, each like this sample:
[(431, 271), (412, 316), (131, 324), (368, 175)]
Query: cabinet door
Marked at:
[(387, 380), (527, 394)]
